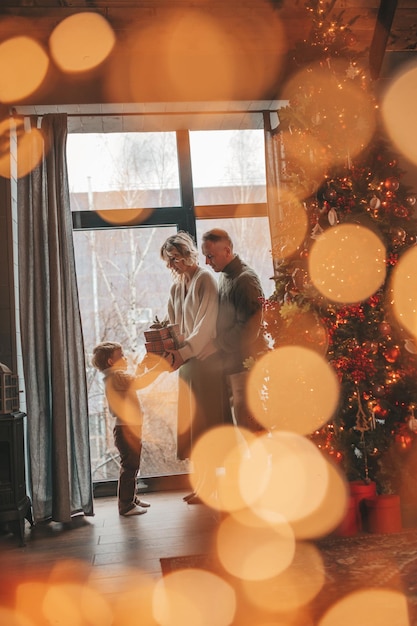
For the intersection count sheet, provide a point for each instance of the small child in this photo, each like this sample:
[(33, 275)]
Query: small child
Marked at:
[(121, 393)]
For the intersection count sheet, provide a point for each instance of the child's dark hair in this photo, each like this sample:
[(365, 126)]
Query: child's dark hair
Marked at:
[(102, 353)]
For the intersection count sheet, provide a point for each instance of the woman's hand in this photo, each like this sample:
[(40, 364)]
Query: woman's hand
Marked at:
[(174, 359)]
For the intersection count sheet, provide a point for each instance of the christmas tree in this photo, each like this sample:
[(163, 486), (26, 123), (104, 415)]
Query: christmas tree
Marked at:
[(340, 165)]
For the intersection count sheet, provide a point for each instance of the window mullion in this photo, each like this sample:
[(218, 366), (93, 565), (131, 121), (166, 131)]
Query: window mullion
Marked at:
[(186, 180)]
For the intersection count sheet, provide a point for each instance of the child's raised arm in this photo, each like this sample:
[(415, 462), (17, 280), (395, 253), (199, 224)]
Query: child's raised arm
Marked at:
[(148, 370)]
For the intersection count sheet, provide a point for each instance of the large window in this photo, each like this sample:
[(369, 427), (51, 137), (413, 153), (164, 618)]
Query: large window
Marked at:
[(228, 167), (128, 193), (123, 171), (123, 286)]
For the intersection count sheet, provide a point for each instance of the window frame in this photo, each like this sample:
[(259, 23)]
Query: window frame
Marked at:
[(183, 217)]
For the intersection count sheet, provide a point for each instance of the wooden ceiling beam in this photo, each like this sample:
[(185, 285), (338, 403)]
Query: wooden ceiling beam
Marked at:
[(40, 17)]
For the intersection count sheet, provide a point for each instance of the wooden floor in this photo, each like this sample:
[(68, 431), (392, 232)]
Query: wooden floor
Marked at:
[(107, 549), (115, 563)]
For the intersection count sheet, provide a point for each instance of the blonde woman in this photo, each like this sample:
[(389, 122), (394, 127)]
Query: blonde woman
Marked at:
[(193, 305)]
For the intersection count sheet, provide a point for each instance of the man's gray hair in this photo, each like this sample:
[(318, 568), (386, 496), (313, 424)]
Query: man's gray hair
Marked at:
[(217, 234)]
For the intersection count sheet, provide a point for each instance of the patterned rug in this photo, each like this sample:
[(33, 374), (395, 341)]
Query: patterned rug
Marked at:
[(386, 561)]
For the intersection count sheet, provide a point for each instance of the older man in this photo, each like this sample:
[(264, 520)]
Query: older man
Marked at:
[(239, 323)]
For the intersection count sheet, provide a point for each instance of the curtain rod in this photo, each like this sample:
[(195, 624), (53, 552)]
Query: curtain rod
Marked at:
[(14, 113)]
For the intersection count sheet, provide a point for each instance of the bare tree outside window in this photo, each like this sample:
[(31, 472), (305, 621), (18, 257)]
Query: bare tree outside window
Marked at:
[(123, 284), (145, 170), (239, 180), (130, 278)]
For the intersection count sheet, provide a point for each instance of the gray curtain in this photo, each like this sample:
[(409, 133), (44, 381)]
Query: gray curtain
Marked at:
[(59, 472)]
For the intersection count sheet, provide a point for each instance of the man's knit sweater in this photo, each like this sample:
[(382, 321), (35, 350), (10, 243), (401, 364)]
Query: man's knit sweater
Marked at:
[(239, 322)]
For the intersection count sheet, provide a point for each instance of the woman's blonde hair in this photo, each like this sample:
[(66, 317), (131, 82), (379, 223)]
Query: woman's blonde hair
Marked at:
[(183, 243)]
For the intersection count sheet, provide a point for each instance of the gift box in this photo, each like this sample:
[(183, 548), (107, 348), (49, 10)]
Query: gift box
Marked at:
[(176, 336), (384, 514), (157, 334), (160, 340), (155, 347), (350, 525)]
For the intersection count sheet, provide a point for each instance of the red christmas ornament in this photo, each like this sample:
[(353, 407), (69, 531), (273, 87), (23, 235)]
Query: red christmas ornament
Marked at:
[(392, 354), (384, 329), (374, 300), (403, 441), (392, 183), (399, 235), (401, 211), (392, 258), (380, 412)]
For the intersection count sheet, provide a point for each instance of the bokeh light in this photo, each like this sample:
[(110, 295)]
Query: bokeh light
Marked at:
[(382, 607), (252, 553), (193, 596), (403, 293), (217, 456), (284, 476), (29, 598), (185, 66), (297, 325), (227, 496), (30, 147), (13, 618), (347, 263), (66, 596), (129, 217), (76, 604), (81, 42), (248, 517), (23, 67), (339, 119), (295, 587), (301, 152), (330, 511), (200, 56), (197, 50), (293, 388), (137, 591), (398, 112), (125, 406), (288, 223)]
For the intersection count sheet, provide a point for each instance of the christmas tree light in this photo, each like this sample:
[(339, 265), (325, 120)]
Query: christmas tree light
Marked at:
[(354, 179)]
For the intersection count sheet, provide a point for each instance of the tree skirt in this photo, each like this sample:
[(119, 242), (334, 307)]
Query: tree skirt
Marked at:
[(368, 560)]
